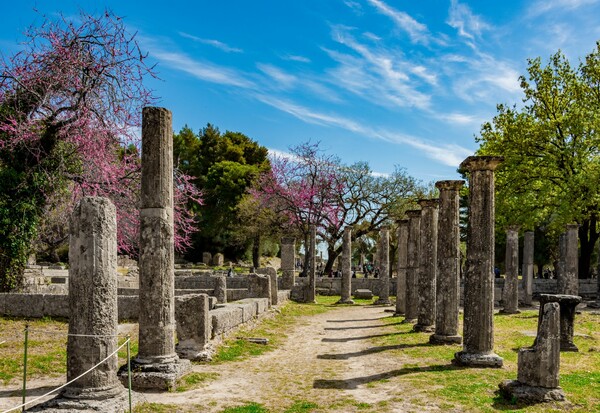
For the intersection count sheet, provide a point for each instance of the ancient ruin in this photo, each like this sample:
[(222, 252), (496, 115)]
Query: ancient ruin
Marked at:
[(384, 267), (568, 305), (402, 263), (537, 378), (569, 274), (448, 265), (427, 266), (346, 292), (527, 268), (510, 293), (157, 365), (93, 312), (478, 325), (412, 268), (288, 262)]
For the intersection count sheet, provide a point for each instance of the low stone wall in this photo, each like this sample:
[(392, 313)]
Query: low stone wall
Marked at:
[(228, 316)]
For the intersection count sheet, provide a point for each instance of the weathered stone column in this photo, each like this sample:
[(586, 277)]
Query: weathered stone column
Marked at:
[(527, 269), (346, 293), (384, 267), (568, 278), (220, 291), (568, 305), (427, 265), (560, 265), (93, 310), (478, 326), (402, 263), (448, 265), (311, 292), (288, 262), (412, 268), (538, 366), (157, 366), (510, 293)]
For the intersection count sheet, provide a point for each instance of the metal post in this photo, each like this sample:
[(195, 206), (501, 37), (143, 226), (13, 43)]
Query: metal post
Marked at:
[(25, 365), (129, 369)]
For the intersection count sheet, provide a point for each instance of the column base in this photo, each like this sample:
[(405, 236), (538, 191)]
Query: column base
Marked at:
[(345, 301), (198, 353), (514, 389), (568, 346), (113, 399), (409, 321), (382, 301), (491, 360), (445, 339), (507, 311), (422, 328), (155, 375)]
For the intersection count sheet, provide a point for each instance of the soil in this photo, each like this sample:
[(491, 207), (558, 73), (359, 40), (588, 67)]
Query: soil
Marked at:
[(328, 359)]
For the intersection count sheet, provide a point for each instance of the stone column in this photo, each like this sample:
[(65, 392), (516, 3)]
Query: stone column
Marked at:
[(157, 366), (412, 268), (448, 265), (478, 326), (220, 291), (402, 263), (568, 305), (383, 253), (538, 366), (427, 265), (93, 310), (346, 258), (288, 262), (311, 292), (527, 269), (510, 293), (568, 277)]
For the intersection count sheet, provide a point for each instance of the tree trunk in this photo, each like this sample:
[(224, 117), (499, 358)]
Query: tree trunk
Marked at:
[(588, 235), (540, 271), (332, 255), (256, 251)]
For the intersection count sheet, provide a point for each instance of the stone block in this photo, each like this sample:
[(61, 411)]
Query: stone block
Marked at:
[(271, 273), (248, 307), (259, 286), (128, 307), (218, 259), (194, 328), (363, 294), (224, 319), (207, 258)]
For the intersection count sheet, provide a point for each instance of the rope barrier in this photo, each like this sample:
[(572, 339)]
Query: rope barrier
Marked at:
[(66, 384)]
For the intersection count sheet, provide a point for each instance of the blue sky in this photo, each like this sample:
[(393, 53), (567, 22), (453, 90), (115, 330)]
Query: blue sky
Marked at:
[(392, 82)]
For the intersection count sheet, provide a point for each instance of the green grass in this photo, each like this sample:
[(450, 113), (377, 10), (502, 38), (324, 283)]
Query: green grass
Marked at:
[(425, 365), (248, 408), (193, 381), (154, 408), (274, 329), (301, 406)]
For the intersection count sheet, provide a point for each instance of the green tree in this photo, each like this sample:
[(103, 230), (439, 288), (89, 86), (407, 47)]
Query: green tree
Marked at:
[(551, 148), (224, 166)]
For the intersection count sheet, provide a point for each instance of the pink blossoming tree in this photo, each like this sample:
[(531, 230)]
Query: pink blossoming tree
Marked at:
[(70, 109)]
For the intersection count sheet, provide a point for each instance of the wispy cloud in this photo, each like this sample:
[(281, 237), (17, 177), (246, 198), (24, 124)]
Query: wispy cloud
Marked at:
[(355, 6), (380, 75), (446, 154), (211, 42), (202, 70), (417, 32), (296, 58), (459, 118), (545, 6), (464, 21), (283, 79)]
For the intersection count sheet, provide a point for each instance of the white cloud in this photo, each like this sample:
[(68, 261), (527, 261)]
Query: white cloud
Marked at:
[(355, 6), (459, 118), (211, 42), (296, 58), (446, 154), (202, 70), (462, 19), (545, 6), (283, 79), (417, 32), (380, 75)]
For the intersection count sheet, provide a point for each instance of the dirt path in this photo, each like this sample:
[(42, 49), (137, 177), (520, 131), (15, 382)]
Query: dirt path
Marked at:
[(328, 359)]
